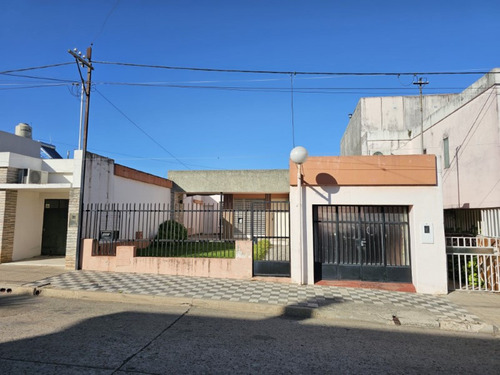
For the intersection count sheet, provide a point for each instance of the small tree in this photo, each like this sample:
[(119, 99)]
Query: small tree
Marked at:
[(171, 230)]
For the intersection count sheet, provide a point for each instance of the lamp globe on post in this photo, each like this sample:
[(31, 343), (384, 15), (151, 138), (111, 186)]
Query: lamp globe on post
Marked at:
[(299, 156)]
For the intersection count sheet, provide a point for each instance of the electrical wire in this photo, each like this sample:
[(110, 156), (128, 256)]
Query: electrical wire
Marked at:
[(35, 68), (106, 20), (290, 72), (38, 77), (142, 130), (34, 86)]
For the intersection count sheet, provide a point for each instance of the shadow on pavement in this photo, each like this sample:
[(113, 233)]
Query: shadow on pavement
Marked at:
[(201, 341)]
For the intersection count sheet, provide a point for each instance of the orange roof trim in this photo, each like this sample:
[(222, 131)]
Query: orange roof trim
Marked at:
[(134, 174), (376, 170)]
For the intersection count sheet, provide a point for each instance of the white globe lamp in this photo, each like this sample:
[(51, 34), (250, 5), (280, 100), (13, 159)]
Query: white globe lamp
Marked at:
[(298, 155)]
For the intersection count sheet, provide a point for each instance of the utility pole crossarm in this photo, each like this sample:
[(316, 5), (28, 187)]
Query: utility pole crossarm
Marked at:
[(81, 59)]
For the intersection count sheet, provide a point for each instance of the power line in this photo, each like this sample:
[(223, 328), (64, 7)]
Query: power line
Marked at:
[(36, 67), (142, 130), (34, 86), (106, 20), (290, 72), (37, 77)]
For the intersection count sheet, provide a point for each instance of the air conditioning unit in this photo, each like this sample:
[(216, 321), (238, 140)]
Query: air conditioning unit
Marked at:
[(31, 176)]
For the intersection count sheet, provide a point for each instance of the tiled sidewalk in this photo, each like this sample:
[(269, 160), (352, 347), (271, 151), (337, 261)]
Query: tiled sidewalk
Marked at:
[(261, 292)]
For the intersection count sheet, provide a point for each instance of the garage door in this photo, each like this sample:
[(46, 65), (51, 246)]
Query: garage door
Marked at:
[(362, 243)]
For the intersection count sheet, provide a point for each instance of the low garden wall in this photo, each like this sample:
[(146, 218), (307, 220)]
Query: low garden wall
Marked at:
[(239, 267)]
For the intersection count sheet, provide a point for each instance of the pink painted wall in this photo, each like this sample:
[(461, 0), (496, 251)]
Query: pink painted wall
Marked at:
[(126, 261)]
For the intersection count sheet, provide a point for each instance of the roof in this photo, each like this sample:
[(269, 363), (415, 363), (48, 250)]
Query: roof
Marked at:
[(231, 181)]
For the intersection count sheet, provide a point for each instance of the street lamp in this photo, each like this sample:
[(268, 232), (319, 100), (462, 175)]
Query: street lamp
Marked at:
[(299, 156)]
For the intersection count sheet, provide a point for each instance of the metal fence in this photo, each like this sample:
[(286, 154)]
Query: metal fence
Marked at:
[(474, 272), (473, 263), (270, 231), (189, 230)]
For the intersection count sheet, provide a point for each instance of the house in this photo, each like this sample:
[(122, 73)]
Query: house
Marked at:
[(40, 196), (238, 204), (462, 129), (368, 218)]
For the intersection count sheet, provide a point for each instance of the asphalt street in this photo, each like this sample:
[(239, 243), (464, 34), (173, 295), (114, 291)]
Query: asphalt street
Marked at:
[(69, 336)]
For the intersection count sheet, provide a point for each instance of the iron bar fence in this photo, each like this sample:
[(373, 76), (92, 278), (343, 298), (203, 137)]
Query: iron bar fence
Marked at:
[(187, 230)]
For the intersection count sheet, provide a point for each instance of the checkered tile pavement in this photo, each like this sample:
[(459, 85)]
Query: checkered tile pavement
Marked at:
[(312, 296)]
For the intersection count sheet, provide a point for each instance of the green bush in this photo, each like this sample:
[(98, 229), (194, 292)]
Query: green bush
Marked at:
[(473, 277), (171, 230), (260, 249)]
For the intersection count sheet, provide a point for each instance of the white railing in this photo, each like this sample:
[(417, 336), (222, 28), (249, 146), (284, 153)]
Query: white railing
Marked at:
[(474, 272), (473, 242)]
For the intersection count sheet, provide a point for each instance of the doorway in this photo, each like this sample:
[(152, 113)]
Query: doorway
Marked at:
[(55, 226)]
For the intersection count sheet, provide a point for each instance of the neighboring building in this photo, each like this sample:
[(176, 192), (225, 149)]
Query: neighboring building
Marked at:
[(369, 218), (40, 197), (238, 204), (463, 130)]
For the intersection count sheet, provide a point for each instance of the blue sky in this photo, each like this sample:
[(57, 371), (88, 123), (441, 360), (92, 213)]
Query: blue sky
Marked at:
[(158, 128)]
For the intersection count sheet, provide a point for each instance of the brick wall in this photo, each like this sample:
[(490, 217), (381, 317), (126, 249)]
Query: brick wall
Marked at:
[(8, 204), (8, 175)]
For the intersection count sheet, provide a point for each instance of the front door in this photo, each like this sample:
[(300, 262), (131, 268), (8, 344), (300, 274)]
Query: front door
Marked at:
[(55, 226), (362, 243)]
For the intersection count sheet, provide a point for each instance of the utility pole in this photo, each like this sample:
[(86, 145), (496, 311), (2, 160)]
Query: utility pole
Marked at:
[(82, 92), (421, 83), (85, 60)]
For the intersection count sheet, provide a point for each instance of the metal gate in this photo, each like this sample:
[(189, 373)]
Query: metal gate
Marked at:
[(270, 232), (362, 243)]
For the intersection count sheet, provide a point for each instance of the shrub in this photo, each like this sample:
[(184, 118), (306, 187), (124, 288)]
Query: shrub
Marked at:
[(260, 249), (171, 230)]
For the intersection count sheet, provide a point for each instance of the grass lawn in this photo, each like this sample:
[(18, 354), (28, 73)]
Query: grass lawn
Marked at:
[(198, 249)]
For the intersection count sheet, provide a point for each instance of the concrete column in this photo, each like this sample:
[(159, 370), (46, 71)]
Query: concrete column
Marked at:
[(71, 239), (8, 204)]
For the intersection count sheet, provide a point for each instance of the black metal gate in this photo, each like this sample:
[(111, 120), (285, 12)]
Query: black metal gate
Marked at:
[(362, 243), (270, 233)]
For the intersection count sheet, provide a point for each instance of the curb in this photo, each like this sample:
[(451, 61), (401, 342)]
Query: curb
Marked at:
[(292, 311)]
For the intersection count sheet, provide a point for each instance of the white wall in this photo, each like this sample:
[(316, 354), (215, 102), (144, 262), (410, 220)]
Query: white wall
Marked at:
[(131, 191), (475, 130), (428, 261), (60, 170), (470, 120), (199, 222), (102, 186)]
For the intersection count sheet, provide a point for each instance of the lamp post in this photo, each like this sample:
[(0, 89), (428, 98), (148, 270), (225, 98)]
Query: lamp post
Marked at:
[(299, 156)]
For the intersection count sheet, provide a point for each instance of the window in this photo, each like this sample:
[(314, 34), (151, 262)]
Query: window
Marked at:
[(446, 152)]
